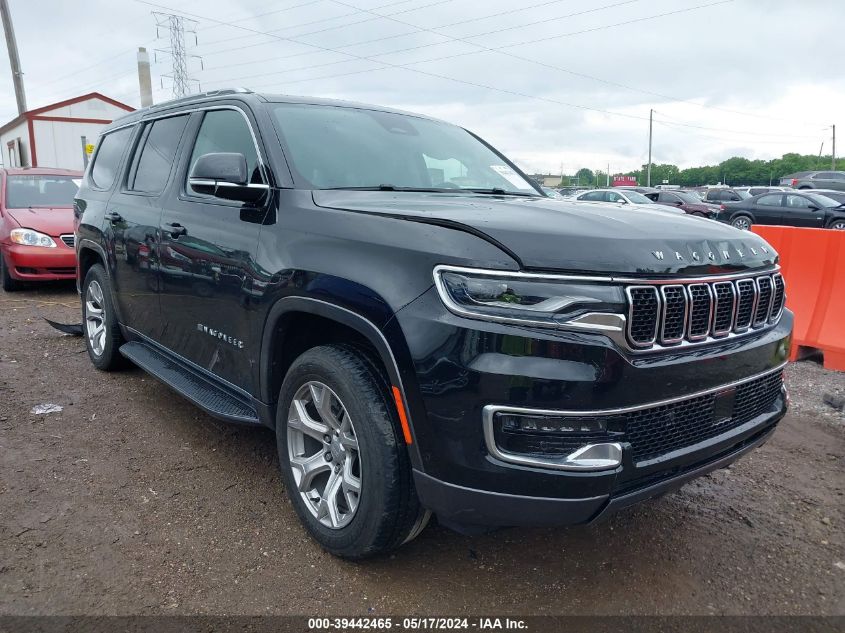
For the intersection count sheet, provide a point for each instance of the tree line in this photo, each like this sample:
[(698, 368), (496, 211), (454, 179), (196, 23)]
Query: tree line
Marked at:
[(735, 171)]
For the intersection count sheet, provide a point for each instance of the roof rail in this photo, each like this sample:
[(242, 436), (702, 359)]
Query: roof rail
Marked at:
[(192, 97)]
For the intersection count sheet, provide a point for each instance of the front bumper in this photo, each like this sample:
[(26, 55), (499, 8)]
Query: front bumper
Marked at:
[(35, 263), (466, 508), (463, 366)]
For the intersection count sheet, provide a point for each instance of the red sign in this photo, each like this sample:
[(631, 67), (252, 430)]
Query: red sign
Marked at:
[(624, 181)]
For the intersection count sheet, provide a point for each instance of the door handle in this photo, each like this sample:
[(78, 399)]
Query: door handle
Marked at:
[(175, 229), (113, 217)]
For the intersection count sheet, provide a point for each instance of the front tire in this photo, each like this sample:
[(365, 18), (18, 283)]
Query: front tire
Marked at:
[(741, 222), (99, 321), (344, 462), (9, 284), (837, 225)]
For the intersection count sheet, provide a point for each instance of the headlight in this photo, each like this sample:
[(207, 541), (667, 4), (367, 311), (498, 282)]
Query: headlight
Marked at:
[(28, 237), (547, 301)]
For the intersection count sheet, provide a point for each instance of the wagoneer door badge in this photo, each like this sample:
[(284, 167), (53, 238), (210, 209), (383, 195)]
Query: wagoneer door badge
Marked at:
[(234, 342)]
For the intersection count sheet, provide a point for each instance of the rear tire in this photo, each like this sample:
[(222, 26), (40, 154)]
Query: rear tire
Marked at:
[(742, 222), (9, 284), (100, 328), (350, 482)]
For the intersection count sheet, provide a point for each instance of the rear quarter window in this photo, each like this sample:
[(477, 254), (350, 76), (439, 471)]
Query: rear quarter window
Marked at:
[(107, 160)]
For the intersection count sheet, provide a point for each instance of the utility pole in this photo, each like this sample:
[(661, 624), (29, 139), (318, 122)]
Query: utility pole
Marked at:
[(650, 122), (14, 59), (608, 175), (833, 153)]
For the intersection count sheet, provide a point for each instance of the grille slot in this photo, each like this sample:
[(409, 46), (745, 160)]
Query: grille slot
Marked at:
[(701, 307), (69, 239), (747, 300), (664, 314), (723, 311), (674, 314), (643, 315), (779, 296), (764, 301)]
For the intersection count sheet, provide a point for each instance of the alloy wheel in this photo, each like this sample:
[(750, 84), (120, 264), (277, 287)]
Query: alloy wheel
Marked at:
[(742, 224), (323, 454), (95, 318), (839, 225)]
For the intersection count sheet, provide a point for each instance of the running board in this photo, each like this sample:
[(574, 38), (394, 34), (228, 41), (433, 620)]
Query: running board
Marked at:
[(212, 398)]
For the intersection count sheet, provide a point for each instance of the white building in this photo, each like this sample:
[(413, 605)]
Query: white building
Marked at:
[(56, 135)]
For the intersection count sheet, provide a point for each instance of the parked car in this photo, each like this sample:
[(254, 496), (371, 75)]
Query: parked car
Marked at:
[(789, 209), (630, 199), (567, 192), (687, 202), (639, 189), (839, 196), (444, 340), (756, 191), (36, 225), (719, 195), (815, 180), (551, 193)]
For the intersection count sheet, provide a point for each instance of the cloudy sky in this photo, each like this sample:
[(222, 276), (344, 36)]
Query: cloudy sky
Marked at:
[(552, 83)]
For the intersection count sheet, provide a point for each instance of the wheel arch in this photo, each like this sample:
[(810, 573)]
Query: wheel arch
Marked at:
[(299, 306), (88, 254)]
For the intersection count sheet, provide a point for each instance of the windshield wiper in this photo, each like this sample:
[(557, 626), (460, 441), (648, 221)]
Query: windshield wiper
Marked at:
[(496, 191)]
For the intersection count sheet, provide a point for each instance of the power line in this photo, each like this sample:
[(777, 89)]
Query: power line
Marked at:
[(482, 48), (324, 30), (386, 64)]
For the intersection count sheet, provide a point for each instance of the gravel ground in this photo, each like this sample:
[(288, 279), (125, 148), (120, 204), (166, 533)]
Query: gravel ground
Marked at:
[(132, 501)]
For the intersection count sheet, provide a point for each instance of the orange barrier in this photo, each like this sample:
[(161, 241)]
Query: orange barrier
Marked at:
[(813, 265)]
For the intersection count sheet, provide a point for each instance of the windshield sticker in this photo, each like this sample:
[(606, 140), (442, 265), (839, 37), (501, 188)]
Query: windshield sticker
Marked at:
[(511, 176)]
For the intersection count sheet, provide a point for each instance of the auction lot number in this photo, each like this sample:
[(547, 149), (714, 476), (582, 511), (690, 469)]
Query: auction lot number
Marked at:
[(416, 624)]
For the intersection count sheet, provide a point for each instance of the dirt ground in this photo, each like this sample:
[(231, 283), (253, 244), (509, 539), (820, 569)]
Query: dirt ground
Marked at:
[(132, 501)]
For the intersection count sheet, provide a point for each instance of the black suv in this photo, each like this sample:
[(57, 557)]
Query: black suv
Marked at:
[(423, 328)]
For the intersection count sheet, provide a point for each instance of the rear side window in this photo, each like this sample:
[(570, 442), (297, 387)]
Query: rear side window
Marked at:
[(104, 170), (772, 200), (156, 154)]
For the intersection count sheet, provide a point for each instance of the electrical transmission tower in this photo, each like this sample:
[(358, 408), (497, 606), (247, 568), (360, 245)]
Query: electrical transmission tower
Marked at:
[(177, 26)]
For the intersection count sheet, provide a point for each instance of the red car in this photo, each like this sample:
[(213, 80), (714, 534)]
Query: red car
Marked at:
[(36, 225)]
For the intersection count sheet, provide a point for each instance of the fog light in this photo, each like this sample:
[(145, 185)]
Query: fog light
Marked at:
[(520, 423), (563, 442)]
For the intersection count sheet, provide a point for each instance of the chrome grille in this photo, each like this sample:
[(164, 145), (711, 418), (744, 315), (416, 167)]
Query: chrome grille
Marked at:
[(69, 239), (693, 311)]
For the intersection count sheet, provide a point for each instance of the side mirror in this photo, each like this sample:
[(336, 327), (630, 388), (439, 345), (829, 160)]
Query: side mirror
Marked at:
[(224, 175), (813, 207)]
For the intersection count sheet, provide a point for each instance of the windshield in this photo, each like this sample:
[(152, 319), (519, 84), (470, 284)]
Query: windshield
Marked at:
[(330, 147), (742, 194), (638, 198), (40, 191), (824, 201)]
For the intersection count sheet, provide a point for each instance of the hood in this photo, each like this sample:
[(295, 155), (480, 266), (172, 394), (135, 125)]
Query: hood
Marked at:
[(50, 221), (555, 235)]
